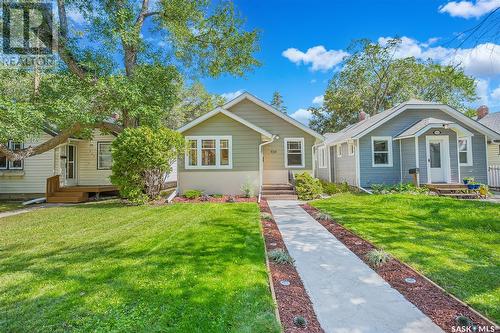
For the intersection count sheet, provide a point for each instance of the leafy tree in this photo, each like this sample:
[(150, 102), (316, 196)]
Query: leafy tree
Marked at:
[(193, 101), (141, 157), (129, 67), (374, 79), (277, 102)]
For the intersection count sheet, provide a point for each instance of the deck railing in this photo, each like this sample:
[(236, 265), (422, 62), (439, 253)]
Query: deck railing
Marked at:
[(494, 176), (52, 185)]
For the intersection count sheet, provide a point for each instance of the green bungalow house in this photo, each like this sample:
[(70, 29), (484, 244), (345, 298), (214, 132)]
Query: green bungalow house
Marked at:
[(245, 142), (441, 143)]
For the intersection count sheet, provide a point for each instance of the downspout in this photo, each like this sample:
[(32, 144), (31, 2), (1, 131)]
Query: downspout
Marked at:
[(261, 164)]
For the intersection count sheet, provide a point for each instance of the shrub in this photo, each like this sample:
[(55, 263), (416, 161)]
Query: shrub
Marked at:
[(300, 321), (217, 195), (323, 216), (247, 189), (307, 187), (377, 257), (266, 216), (333, 188), (192, 194), (141, 158), (279, 256)]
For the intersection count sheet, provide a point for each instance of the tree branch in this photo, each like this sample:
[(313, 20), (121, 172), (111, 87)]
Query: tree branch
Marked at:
[(20, 154)]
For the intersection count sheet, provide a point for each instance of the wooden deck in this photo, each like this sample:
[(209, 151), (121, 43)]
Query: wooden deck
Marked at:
[(73, 194), (460, 191)]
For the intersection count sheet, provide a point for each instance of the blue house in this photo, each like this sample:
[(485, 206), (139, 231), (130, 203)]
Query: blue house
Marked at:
[(442, 144)]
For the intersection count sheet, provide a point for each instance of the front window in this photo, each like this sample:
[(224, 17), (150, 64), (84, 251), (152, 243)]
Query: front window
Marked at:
[(208, 152), (294, 152), (465, 151), (382, 151), (104, 158), (12, 165)]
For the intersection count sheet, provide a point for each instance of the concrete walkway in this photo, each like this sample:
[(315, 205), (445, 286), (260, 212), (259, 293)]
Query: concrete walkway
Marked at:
[(347, 295)]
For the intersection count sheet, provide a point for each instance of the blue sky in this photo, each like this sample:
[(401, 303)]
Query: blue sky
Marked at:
[(326, 28)]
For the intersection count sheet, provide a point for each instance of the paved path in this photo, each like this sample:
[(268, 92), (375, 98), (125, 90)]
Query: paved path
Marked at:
[(347, 295)]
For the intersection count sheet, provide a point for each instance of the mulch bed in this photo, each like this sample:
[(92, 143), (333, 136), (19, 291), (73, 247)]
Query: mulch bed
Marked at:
[(212, 199), (292, 300), (437, 304)]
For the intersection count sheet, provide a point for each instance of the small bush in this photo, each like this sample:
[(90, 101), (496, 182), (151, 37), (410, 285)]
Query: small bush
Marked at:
[(247, 189), (300, 321), (334, 188), (204, 197), (397, 188), (230, 199), (266, 216), (192, 194), (307, 187), (323, 216), (463, 321), (217, 195), (279, 256), (377, 257)]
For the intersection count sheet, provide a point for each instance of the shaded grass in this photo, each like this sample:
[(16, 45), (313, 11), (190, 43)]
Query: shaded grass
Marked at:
[(455, 243), (106, 267), (9, 205)]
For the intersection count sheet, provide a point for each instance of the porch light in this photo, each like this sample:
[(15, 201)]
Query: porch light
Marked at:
[(446, 126)]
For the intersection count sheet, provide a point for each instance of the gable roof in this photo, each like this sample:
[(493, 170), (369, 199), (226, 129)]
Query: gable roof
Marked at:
[(492, 121), (364, 127), (269, 108), (226, 113), (423, 125)]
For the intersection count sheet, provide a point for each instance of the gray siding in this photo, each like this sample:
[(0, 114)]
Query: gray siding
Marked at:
[(408, 158), (370, 175), (344, 166), (322, 173)]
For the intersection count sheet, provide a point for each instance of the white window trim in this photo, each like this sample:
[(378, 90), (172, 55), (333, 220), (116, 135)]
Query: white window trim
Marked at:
[(351, 148), (217, 165), (469, 150), (389, 148), (99, 167), (302, 152), (322, 157), (9, 164), (338, 149)]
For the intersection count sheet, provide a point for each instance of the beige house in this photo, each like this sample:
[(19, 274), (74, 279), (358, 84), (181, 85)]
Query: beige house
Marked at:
[(492, 121), (77, 162), (246, 141)]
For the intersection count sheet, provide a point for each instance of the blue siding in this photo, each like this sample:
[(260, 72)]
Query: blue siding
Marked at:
[(391, 175), (408, 158)]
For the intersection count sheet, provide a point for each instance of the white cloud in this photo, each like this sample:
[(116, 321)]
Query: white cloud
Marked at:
[(482, 90), (231, 95), (482, 60), (75, 15), (495, 94), (317, 56), (318, 100), (469, 9), (302, 115)]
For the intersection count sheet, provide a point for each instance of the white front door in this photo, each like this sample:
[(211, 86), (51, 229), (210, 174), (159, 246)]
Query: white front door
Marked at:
[(70, 168), (438, 159)]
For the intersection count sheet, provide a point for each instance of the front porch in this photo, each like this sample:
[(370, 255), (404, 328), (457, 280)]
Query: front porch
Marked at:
[(55, 193)]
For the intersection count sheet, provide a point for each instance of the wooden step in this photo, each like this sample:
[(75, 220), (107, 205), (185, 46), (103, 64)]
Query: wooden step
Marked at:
[(67, 197)]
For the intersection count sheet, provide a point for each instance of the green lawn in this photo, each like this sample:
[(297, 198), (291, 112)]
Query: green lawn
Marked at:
[(455, 243), (9, 205), (106, 267)]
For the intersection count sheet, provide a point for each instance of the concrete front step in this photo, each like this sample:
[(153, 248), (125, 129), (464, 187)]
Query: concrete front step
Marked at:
[(277, 192), (280, 197), (277, 186)]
